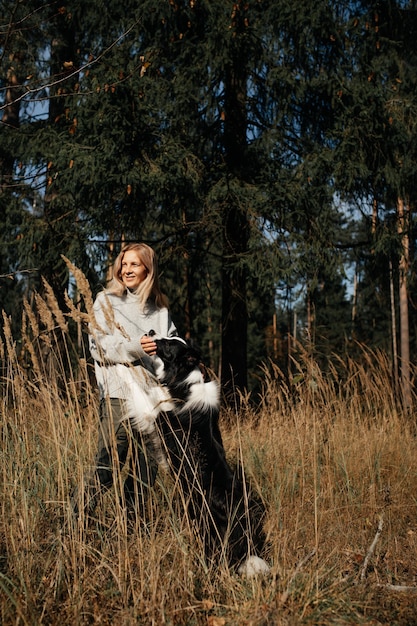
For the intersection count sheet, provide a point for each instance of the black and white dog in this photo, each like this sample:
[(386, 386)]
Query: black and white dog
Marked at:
[(227, 516), (186, 414)]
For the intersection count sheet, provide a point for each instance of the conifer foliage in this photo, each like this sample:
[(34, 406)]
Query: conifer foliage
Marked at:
[(250, 142)]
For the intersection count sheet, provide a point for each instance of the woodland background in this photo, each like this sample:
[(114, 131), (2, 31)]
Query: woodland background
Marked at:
[(265, 148)]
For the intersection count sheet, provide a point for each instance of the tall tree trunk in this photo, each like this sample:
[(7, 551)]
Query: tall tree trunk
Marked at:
[(234, 306), (393, 328), (62, 64), (354, 300), (235, 223), (310, 322), (11, 118), (9, 199), (59, 222), (403, 229)]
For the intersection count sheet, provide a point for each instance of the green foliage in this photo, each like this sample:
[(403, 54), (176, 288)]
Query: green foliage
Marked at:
[(224, 134)]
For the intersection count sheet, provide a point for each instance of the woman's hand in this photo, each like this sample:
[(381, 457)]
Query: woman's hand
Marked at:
[(148, 345)]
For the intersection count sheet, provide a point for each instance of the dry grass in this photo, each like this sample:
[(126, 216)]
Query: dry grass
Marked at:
[(331, 461)]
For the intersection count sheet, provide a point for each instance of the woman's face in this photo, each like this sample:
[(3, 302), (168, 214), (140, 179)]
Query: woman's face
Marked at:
[(133, 271)]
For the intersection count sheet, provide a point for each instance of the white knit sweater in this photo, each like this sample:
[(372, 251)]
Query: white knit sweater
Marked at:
[(122, 322)]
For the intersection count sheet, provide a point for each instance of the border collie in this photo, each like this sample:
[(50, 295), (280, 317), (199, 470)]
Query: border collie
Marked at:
[(228, 517)]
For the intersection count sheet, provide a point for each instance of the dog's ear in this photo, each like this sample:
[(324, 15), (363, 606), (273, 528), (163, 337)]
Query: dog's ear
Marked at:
[(192, 359)]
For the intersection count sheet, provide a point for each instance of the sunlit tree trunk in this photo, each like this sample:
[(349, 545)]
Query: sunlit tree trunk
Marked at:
[(354, 299), (393, 328), (403, 226), (310, 321)]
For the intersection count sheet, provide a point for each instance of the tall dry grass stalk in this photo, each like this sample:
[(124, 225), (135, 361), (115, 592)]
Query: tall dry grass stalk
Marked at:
[(330, 456)]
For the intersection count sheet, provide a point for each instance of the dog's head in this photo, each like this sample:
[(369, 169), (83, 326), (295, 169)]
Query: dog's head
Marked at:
[(177, 359)]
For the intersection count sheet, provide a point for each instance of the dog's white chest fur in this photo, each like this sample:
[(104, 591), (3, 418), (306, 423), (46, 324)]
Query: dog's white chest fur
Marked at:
[(144, 397), (202, 396)]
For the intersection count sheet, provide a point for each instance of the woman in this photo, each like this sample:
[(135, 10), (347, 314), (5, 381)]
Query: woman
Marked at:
[(125, 312)]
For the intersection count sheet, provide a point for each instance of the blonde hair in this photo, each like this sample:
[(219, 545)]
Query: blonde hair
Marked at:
[(149, 288)]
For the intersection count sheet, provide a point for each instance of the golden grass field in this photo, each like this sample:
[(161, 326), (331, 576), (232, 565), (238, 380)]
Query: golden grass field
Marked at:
[(335, 464)]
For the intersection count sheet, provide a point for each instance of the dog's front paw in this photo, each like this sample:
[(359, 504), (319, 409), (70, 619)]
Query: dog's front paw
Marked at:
[(254, 566)]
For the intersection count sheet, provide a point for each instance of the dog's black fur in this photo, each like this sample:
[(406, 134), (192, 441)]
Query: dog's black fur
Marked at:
[(228, 517)]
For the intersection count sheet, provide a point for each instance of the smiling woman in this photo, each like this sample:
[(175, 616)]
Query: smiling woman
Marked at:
[(133, 271), (124, 313)]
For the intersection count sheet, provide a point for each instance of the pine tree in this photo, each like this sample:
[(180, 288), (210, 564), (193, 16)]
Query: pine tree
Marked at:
[(17, 44), (376, 148), (221, 133)]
